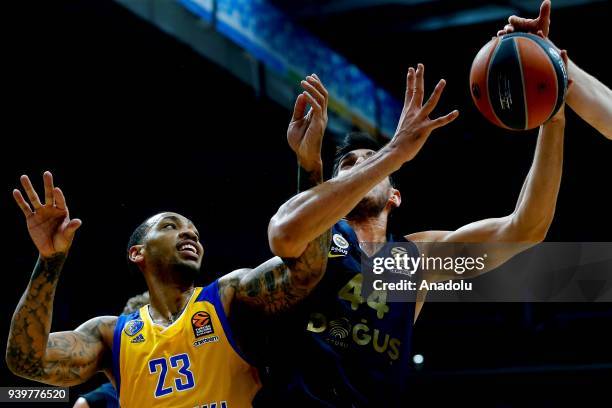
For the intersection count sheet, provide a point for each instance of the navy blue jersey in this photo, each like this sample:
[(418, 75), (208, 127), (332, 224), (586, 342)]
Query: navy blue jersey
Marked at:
[(104, 396), (340, 347)]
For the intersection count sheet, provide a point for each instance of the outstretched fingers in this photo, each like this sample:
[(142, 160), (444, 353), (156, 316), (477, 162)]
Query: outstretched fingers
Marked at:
[(410, 83), (432, 102), (419, 89), (60, 200), (444, 120), (30, 192), (21, 202), (48, 183)]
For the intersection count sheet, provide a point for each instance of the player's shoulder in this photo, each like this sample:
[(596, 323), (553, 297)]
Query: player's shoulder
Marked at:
[(106, 325), (100, 327), (225, 287), (228, 283)]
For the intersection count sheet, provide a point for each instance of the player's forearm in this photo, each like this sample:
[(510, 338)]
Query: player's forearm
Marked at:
[(590, 99), (279, 284), (536, 206), (309, 214), (29, 332), (308, 269)]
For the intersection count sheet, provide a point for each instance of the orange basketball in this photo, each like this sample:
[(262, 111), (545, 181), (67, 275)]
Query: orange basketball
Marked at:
[(518, 81)]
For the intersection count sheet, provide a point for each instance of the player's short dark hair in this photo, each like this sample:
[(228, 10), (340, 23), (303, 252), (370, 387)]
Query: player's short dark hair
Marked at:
[(139, 233), (354, 141), (137, 238)]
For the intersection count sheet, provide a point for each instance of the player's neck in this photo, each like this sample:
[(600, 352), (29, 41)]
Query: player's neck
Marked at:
[(371, 230), (168, 300)]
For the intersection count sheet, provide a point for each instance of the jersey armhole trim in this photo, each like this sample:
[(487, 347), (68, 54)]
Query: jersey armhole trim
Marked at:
[(121, 321), (211, 294)]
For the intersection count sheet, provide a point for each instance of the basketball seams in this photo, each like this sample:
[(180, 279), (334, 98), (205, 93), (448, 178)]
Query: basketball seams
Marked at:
[(503, 83), (488, 65), (495, 73), (543, 46), (521, 69)]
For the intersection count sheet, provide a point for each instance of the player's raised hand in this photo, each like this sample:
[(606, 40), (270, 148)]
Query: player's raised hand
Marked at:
[(415, 126), (49, 223), (306, 129), (539, 25)]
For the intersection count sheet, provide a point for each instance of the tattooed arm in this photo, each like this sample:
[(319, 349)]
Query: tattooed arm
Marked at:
[(278, 284), (63, 358)]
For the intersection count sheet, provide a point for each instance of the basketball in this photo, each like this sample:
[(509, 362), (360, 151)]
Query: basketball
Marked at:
[(518, 81)]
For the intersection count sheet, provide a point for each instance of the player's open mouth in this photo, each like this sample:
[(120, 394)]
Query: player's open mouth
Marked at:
[(188, 248)]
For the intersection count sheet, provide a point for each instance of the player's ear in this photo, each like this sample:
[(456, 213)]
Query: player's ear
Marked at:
[(135, 254), (395, 198)]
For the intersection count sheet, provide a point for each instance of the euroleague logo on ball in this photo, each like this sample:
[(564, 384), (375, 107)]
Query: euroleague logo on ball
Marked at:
[(201, 324)]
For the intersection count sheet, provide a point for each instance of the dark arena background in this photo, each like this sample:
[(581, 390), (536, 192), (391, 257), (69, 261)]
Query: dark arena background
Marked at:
[(139, 106)]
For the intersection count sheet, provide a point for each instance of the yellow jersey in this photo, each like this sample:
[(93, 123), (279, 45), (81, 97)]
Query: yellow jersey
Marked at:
[(194, 362)]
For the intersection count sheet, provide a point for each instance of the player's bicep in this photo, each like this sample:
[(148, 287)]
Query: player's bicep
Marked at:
[(72, 357), (487, 230), (427, 236), (498, 238)]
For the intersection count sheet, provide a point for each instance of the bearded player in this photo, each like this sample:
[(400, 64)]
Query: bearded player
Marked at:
[(354, 348)]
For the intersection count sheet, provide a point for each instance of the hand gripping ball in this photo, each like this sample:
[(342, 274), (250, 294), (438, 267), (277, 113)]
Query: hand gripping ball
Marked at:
[(518, 81)]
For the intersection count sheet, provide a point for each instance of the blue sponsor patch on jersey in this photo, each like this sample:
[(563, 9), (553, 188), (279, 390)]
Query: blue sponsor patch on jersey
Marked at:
[(133, 326)]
